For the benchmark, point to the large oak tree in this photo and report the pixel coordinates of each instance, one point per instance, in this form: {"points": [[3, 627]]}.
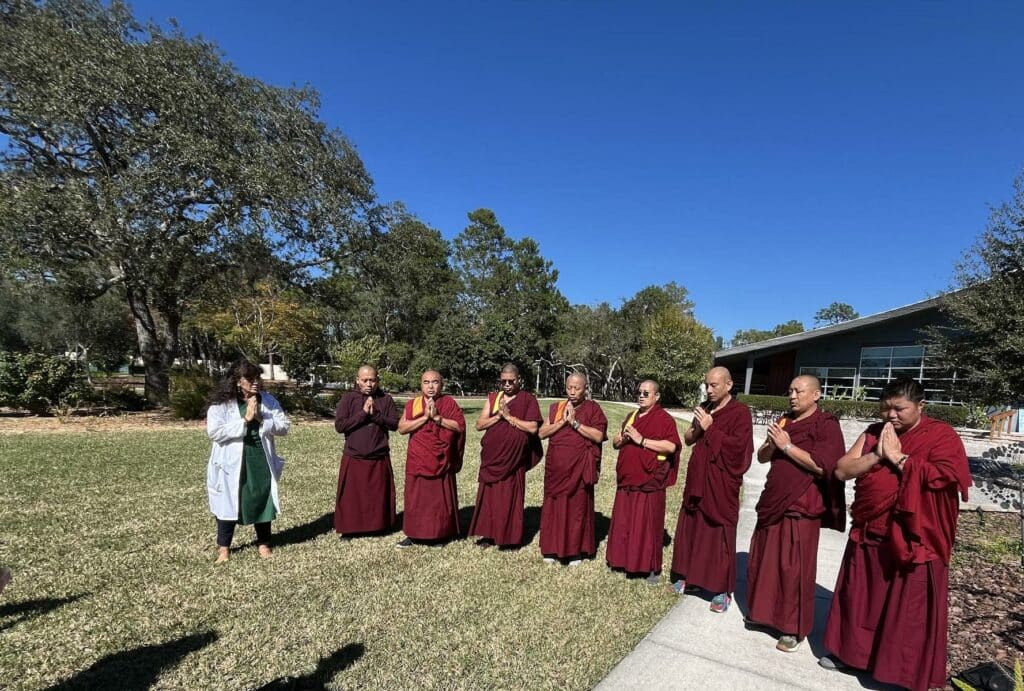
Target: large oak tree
{"points": [[141, 159]]}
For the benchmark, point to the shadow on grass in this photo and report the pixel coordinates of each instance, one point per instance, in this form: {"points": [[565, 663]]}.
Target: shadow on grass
{"points": [[324, 673], [138, 668], [23, 611], [298, 534]]}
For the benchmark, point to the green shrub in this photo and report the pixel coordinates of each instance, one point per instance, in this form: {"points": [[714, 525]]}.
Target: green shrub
{"points": [[117, 396], [189, 393], [301, 400], [956, 415], [38, 382]]}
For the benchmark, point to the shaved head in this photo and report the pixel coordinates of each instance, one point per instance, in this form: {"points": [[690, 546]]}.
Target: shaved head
{"points": [[509, 368], [718, 384], [810, 381], [366, 379], [655, 386], [433, 372], [579, 377]]}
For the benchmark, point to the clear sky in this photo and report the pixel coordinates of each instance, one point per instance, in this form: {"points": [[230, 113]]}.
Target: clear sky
{"points": [[772, 157]]}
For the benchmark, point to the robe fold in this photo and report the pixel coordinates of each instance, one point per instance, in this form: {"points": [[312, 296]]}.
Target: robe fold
{"points": [[571, 469], [635, 536], [890, 608], [365, 497], [704, 550], [431, 510], [793, 507], [506, 453]]}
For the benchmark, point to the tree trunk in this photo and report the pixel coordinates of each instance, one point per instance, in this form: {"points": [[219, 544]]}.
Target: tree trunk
{"points": [[158, 343]]}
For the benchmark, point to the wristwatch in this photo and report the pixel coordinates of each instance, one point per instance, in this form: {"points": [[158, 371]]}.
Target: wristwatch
{"points": [[576, 424]]}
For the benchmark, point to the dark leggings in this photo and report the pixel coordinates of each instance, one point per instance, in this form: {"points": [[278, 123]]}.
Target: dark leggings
{"points": [[226, 531]]}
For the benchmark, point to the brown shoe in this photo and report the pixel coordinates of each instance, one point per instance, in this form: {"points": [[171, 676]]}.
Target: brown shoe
{"points": [[265, 551], [222, 555], [5, 577]]}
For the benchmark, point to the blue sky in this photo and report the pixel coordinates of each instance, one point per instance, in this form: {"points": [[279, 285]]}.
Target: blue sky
{"points": [[771, 157]]}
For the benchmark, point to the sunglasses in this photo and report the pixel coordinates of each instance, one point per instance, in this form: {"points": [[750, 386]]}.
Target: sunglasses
{"points": [[643, 394], [507, 381]]}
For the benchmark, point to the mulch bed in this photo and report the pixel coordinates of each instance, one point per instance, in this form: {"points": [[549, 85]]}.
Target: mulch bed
{"points": [[986, 592]]}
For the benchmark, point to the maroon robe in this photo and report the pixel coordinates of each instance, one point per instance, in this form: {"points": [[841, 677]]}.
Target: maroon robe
{"points": [[635, 536], [704, 553], [890, 607], [506, 453], [365, 499], [434, 457], [793, 507], [571, 468]]}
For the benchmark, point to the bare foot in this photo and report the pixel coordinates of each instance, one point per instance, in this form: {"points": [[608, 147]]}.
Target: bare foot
{"points": [[265, 551], [222, 555]]}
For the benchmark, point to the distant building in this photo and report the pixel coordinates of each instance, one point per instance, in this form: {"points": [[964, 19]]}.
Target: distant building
{"points": [[865, 352]]}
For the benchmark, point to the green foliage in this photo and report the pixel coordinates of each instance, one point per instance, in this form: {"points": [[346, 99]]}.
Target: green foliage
{"points": [[676, 350], [117, 396], [38, 382], [747, 336], [508, 307], [141, 159], [190, 391], [836, 313], [301, 400], [984, 342]]}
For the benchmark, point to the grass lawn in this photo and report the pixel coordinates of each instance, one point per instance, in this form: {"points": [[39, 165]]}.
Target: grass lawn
{"points": [[112, 547]]}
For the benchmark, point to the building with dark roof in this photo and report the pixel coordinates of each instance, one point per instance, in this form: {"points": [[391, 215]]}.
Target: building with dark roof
{"points": [[862, 353]]}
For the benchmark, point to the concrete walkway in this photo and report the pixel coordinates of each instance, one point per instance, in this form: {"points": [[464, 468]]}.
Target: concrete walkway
{"points": [[694, 648]]}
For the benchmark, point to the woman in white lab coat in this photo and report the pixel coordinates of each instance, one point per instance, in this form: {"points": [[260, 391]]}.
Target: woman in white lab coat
{"points": [[244, 468]]}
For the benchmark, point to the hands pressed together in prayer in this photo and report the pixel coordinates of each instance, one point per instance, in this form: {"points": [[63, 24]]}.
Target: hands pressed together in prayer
{"points": [[889, 446], [777, 437], [702, 418], [368, 405], [252, 409], [432, 413], [630, 432]]}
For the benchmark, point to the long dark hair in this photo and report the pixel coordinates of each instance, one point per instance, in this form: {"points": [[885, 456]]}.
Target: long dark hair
{"points": [[227, 390]]}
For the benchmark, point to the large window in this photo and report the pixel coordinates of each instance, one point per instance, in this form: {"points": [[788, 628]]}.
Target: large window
{"points": [[881, 364], [836, 382]]}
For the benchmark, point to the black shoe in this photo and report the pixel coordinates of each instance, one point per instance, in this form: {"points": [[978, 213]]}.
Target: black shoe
{"points": [[405, 543], [485, 542]]}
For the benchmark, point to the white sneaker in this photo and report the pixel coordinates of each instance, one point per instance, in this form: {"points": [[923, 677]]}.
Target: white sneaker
{"points": [[549, 560], [575, 562]]}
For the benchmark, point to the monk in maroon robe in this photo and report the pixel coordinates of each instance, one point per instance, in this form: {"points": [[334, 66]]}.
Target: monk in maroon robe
{"points": [[509, 448], [437, 442], [365, 501], [648, 463], [576, 427], [704, 553], [890, 607], [801, 495]]}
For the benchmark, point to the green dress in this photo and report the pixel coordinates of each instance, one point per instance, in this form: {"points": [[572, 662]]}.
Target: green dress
{"points": [[255, 505]]}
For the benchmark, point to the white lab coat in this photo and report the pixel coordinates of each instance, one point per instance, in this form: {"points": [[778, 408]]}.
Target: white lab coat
{"points": [[226, 428]]}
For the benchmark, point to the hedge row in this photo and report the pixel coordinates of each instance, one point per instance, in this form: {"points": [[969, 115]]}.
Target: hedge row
{"points": [[958, 416]]}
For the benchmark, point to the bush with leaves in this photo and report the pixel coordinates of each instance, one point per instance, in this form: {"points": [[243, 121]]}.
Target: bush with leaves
{"points": [[38, 382], [189, 393]]}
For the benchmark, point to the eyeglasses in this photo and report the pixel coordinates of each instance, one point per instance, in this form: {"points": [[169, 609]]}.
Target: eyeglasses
{"points": [[643, 394]]}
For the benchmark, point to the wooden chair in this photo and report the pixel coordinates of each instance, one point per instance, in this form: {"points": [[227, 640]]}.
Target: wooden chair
{"points": [[1001, 423]]}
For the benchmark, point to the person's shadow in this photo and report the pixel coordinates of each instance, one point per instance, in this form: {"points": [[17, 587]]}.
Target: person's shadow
{"points": [[305, 532], [29, 609], [325, 671], [138, 668]]}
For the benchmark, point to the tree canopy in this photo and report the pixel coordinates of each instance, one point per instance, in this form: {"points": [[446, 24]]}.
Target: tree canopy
{"points": [[836, 313], [747, 336], [984, 341], [141, 160]]}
